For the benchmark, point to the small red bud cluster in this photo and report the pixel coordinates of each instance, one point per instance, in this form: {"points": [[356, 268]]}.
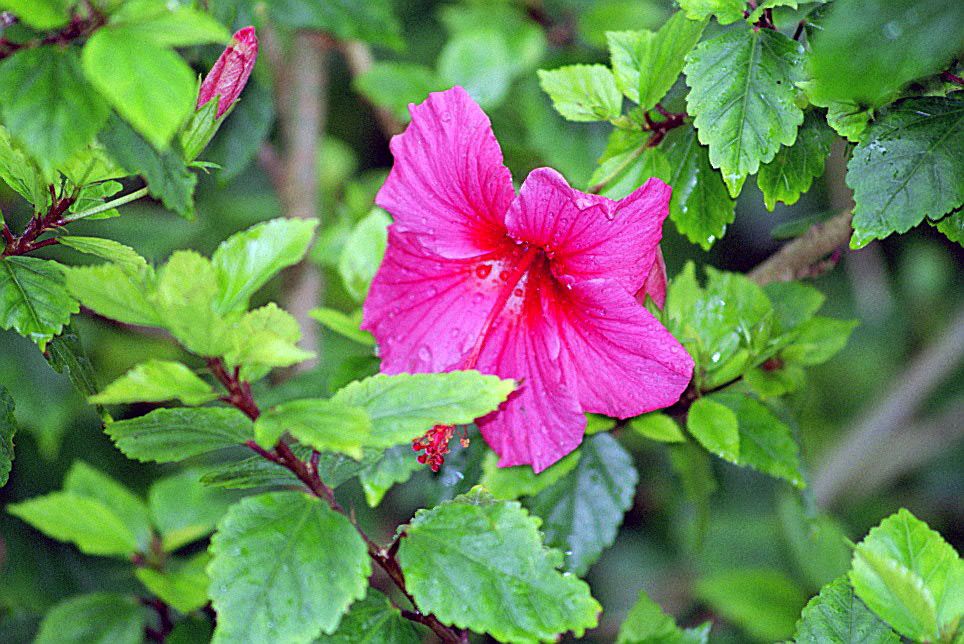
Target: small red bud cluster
{"points": [[435, 442]]}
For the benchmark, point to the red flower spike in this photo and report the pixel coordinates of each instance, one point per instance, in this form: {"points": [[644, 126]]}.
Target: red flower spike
{"points": [[539, 287], [435, 442], [230, 73]]}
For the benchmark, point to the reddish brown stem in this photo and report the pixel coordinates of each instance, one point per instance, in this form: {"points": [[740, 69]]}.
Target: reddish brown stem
{"points": [[78, 27], [952, 78], [39, 224], [239, 396]]}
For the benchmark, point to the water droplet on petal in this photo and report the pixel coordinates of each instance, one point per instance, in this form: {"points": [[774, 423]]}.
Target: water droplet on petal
{"points": [[424, 353], [584, 202], [483, 270]]}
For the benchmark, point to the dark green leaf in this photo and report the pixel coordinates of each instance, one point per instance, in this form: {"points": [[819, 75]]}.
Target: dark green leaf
{"points": [[793, 168], [184, 510], [8, 428], [818, 339], [836, 616], [793, 303], [907, 574], [583, 92], [371, 21], [245, 261], [239, 137], [54, 111], [167, 177], [183, 585], [764, 602], [21, 173], [953, 226], [480, 62], [33, 300], [285, 568], [394, 85], [700, 207], [511, 483], [98, 617], [907, 167], [742, 98], [170, 435], [373, 620], [930, 29], [819, 546], [466, 560], [646, 623], [583, 511], [395, 466]]}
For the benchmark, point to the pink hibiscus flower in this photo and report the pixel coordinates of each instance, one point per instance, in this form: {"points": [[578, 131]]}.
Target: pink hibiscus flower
{"points": [[537, 286], [230, 72]]}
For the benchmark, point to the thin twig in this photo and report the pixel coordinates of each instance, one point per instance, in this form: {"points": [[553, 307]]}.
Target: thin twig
{"points": [[797, 258], [359, 59]]}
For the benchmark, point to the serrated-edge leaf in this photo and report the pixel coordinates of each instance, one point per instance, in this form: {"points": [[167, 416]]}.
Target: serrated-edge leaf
{"points": [[171, 435], [837, 616]]}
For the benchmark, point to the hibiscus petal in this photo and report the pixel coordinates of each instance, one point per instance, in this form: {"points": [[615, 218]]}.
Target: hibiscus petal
{"points": [[541, 421], [589, 236], [621, 361], [448, 184], [655, 284], [424, 310]]}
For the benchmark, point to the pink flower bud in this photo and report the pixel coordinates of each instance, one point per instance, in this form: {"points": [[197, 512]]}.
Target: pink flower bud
{"points": [[231, 71]]}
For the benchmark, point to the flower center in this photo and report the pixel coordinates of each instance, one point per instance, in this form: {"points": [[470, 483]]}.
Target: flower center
{"points": [[435, 442]]}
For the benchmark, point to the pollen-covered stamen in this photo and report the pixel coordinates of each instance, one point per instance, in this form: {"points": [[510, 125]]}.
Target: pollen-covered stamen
{"points": [[435, 442]]}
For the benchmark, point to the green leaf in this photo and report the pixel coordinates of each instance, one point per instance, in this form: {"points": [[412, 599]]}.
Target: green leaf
{"points": [[171, 435], [372, 21], [8, 428], [907, 574], [700, 207], [91, 525], [85, 481], [872, 75], [169, 26], [149, 85], [836, 616], [715, 427], [344, 325], [953, 226], [21, 173], [742, 98], [907, 167], [658, 427], [480, 62], [115, 292], [157, 381], [183, 585], [184, 510], [511, 483], [467, 559], [583, 511], [583, 92], [793, 168], [97, 617], [819, 546], [646, 623], [285, 568], [54, 111], [374, 620], [185, 299], [115, 252], [362, 253], [167, 177], [793, 303], [405, 406], [763, 602], [394, 85], [818, 339], [262, 339], [625, 171], [324, 425], [766, 444], [524, 38], [65, 354], [726, 11], [40, 14], [647, 64], [396, 465], [33, 300], [245, 261]]}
